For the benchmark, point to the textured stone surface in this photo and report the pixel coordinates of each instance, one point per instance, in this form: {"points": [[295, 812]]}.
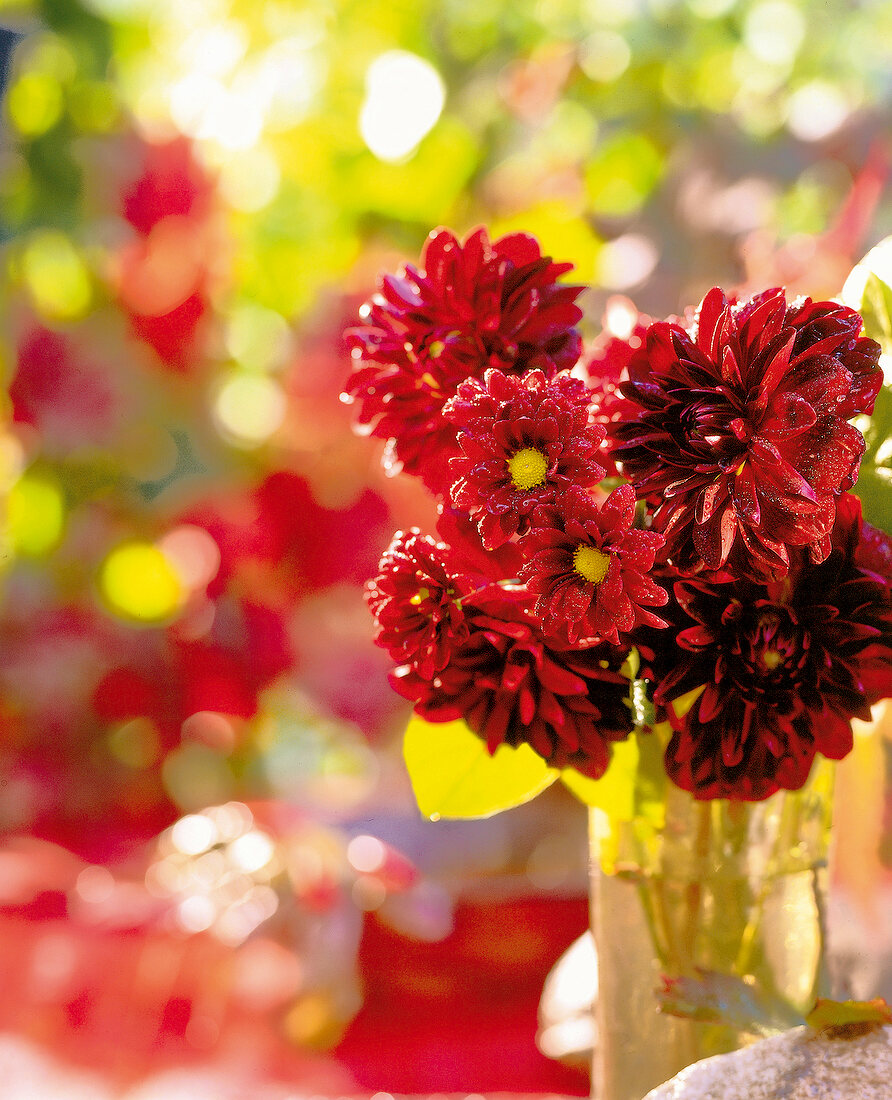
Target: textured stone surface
{"points": [[798, 1065]]}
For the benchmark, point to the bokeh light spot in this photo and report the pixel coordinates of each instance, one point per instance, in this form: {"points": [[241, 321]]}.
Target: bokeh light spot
{"points": [[56, 276], [711, 9], [193, 553], [214, 49], [816, 110], [35, 515], [196, 913], [193, 834], [34, 103], [774, 31], [258, 336], [404, 97], [210, 728], [135, 743], [605, 56], [93, 106], [368, 893], [252, 851], [627, 261], [139, 582], [95, 884], [251, 181], [195, 775], [623, 173], [249, 408], [231, 819], [366, 854]]}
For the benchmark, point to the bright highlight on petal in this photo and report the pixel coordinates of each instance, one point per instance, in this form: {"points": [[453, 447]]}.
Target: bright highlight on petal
{"points": [[404, 97], [140, 583]]}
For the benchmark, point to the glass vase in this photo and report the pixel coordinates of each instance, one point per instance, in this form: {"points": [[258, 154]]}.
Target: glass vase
{"points": [[713, 909]]}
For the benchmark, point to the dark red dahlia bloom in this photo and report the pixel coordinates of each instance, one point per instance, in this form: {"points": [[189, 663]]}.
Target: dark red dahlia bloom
{"points": [[523, 440], [415, 599], [785, 665], [470, 306], [742, 428], [589, 568], [513, 687]]}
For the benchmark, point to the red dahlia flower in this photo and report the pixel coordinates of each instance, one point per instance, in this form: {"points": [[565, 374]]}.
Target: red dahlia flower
{"points": [[589, 568], [511, 687], [523, 441], [742, 430], [470, 306], [416, 602], [786, 666]]}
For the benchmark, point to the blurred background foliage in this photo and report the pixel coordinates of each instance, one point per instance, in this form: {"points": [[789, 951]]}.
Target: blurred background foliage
{"points": [[195, 197]]}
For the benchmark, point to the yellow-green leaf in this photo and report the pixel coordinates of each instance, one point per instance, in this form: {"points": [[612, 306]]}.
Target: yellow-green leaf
{"points": [[614, 792], [453, 774], [868, 290], [848, 1019]]}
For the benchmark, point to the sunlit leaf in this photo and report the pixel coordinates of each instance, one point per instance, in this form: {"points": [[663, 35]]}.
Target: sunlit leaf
{"points": [[453, 774], [848, 1019], [876, 310], [614, 792], [869, 293]]}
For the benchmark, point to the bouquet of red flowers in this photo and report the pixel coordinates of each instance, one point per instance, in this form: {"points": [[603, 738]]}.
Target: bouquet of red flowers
{"points": [[659, 530]]}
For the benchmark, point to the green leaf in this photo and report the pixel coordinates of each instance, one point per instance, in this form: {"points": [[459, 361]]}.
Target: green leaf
{"points": [[453, 774], [848, 1019], [711, 997], [876, 311], [614, 792]]}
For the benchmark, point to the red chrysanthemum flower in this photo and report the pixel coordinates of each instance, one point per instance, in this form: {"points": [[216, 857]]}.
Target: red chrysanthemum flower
{"points": [[742, 430], [470, 306], [786, 666], [467, 554], [415, 599], [589, 568], [513, 687], [523, 440]]}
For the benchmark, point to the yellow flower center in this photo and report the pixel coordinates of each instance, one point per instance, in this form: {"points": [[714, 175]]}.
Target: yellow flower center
{"points": [[591, 563], [527, 468], [771, 659]]}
